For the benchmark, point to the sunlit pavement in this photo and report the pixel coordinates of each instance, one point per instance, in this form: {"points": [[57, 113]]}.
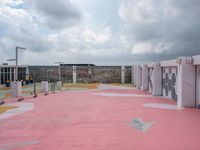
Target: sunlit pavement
{"points": [[85, 120]]}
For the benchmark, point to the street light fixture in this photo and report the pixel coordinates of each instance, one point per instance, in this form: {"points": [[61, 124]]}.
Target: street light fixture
{"points": [[59, 69], [16, 59]]}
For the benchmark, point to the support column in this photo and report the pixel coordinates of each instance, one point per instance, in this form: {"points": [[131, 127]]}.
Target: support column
{"points": [[138, 76], [157, 80], [132, 74], [198, 87], [186, 82], [122, 74], [74, 74], [144, 77], [16, 89]]}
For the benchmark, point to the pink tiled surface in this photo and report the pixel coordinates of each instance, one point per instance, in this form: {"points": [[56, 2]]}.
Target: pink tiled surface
{"points": [[85, 121]]}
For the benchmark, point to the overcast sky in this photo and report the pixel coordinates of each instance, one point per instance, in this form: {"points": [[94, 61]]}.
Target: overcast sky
{"points": [[103, 32]]}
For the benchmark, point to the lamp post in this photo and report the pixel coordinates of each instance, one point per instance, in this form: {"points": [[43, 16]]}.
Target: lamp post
{"points": [[16, 60], [59, 70], [16, 67]]}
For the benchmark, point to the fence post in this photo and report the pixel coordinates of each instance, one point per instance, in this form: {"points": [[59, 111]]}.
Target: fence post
{"points": [[74, 74], [122, 74], [34, 90]]}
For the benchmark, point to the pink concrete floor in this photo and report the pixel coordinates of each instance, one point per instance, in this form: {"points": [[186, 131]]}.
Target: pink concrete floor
{"points": [[85, 121]]}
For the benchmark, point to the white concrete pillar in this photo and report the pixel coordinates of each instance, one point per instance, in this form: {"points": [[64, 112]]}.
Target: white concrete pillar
{"points": [[138, 76], [144, 77], [74, 74], [132, 74], [122, 74], [16, 89], [157, 80], [198, 87], [186, 82], [44, 86], [59, 85]]}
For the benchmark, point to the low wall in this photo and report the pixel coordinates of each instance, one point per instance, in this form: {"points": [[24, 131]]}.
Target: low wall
{"points": [[177, 79]]}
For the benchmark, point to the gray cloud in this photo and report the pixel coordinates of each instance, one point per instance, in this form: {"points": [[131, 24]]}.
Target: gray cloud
{"points": [[58, 13], [173, 23], [149, 30]]}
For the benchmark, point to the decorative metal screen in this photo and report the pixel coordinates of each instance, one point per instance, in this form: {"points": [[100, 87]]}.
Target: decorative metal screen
{"points": [[169, 82], [128, 74], [150, 74], [84, 74], [44, 73], [67, 74], [98, 74]]}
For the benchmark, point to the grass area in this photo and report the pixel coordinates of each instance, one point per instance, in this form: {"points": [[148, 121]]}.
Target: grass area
{"points": [[6, 108], [5, 88], [80, 86], [119, 84]]}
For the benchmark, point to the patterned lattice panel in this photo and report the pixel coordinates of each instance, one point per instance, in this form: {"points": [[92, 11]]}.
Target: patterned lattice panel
{"points": [[84, 74], [150, 74], [169, 82], [128, 74]]}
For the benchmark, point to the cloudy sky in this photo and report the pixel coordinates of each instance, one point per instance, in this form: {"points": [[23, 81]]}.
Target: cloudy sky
{"points": [[103, 32]]}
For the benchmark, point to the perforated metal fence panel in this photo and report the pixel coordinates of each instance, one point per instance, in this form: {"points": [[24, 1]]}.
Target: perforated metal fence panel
{"points": [[84, 74], [170, 82], [150, 81]]}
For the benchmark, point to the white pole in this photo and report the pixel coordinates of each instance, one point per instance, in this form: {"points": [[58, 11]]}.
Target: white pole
{"points": [[16, 67]]}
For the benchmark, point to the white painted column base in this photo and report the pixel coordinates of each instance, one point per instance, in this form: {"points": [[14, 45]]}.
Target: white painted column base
{"points": [[44, 86], [16, 89], [59, 85]]}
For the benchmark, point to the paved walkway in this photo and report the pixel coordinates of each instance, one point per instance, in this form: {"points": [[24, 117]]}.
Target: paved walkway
{"points": [[87, 121]]}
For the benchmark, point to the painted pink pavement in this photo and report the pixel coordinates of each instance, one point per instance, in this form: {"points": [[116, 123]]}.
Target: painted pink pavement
{"points": [[76, 120]]}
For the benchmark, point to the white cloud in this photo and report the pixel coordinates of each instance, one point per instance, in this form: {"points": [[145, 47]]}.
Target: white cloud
{"points": [[140, 10], [101, 36], [80, 30], [161, 26]]}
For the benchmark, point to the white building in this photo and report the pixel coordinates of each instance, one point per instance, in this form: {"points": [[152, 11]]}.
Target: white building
{"points": [[7, 73]]}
